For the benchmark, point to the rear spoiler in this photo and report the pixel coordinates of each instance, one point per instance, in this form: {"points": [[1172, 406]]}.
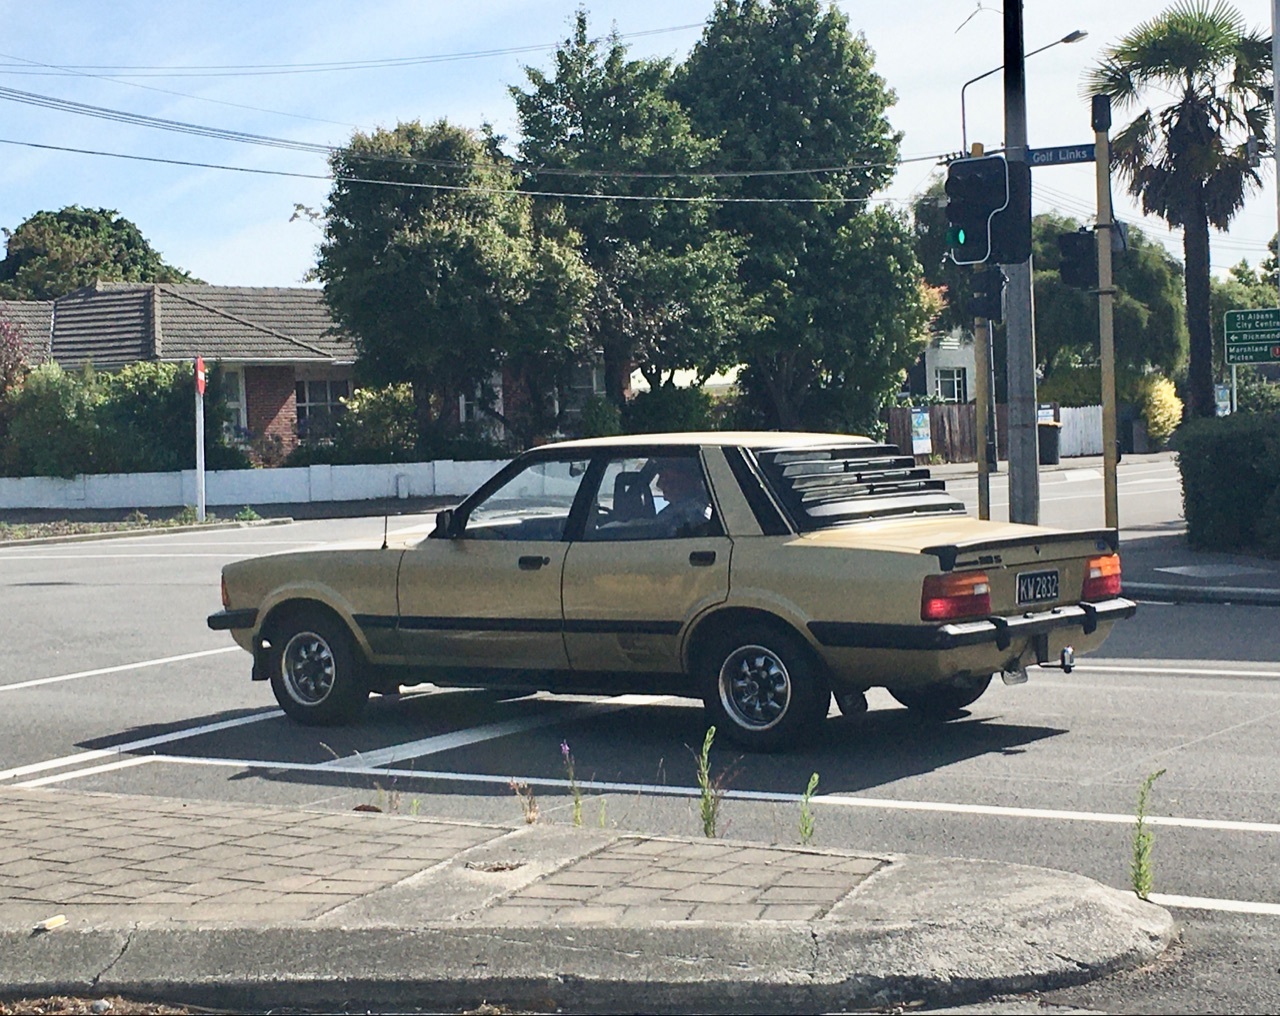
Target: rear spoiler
{"points": [[1107, 541]]}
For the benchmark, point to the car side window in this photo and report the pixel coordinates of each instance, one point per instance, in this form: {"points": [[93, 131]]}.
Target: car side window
{"points": [[660, 497], [532, 505]]}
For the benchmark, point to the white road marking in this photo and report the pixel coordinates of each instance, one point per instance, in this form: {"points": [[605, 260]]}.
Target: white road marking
{"points": [[130, 746], [142, 554], [36, 682], [106, 767], [475, 735], [669, 790], [1206, 903], [1160, 669]]}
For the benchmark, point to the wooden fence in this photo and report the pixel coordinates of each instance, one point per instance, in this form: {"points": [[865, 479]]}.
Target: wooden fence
{"points": [[954, 431]]}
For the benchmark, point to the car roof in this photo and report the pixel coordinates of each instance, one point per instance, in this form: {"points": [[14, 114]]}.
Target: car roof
{"points": [[756, 439]]}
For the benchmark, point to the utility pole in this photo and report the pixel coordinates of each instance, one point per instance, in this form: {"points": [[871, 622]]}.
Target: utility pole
{"points": [[1101, 114], [1024, 478], [1275, 142]]}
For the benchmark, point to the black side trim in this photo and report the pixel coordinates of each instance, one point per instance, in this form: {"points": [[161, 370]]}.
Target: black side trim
{"points": [[226, 620], [374, 620], [481, 623], [999, 630], [524, 624], [622, 627]]}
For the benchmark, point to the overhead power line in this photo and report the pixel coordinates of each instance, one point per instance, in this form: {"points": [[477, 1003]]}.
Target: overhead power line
{"points": [[244, 137], [19, 65], [512, 192]]}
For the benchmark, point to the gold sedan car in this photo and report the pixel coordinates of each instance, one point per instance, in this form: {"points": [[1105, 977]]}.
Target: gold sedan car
{"points": [[759, 572]]}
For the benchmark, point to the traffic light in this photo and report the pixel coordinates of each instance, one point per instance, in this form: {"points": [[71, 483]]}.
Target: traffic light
{"points": [[976, 190], [1011, 227], [988, 292], [1079, 267]]}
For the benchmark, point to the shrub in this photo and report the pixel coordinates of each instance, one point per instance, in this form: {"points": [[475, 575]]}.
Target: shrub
{"points": [[1255, 394], [1161, 407], [1231, 481], [667, 408], [600, 418]]}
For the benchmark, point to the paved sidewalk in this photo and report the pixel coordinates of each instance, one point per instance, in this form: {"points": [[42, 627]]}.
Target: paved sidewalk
{"points": [[249, 907]]}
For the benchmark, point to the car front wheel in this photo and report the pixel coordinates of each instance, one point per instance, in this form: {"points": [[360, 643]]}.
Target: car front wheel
{"points": [[315, 669], [939, 701], [762, 688]]}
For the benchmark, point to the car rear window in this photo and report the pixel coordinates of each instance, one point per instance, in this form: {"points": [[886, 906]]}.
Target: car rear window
{"points": [[824, 487]]}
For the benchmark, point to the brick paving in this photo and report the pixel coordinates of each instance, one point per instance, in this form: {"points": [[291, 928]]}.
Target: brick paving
{"points": [[640, 881], [198, 861]]}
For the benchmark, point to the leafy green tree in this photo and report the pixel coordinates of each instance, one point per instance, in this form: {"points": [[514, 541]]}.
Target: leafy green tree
{"points": [[53, 253], [666, 295], [791, 95], [431, 262], [1188, 159], [1150, 328]]}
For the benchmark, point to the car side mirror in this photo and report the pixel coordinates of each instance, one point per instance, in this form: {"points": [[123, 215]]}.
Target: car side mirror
{"points": [[445, 526]]}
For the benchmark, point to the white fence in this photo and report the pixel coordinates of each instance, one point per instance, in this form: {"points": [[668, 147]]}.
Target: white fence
{"points": [[238, 487], [1081, 431]]}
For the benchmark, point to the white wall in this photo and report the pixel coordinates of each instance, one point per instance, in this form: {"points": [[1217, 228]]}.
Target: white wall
{"points": [[237, 487]]}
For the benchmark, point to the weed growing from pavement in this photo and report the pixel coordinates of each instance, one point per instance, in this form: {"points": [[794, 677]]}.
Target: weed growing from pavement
{"points": [[806, 815], [602, 821], [246, 514], [528, 803], [574, 789], [1140, 871], [712, 788]]}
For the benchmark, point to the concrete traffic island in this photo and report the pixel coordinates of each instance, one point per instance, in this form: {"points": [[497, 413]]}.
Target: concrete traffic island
{"points": [[248, 908]]}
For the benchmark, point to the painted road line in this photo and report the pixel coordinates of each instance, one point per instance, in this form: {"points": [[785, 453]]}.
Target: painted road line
{"points": [[669, 790], [1206, 903], [475, 735], [124, 763], [129, 746], [1159, 669], [36, 682], [141, 555]]}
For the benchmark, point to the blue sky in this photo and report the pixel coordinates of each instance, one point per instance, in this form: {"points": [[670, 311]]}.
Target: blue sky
{"points": [[234, 228]]}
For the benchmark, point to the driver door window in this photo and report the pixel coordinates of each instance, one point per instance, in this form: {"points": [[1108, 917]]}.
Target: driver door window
{"points": [[533, 505]]}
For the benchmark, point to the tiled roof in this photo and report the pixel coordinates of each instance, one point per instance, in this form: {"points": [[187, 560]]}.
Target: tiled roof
{"points": [[33, 319], [114, 323]]}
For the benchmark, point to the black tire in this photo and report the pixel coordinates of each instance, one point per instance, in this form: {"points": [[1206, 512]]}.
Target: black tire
{"points": [[316, 671], [762, 687], [940, 701]]}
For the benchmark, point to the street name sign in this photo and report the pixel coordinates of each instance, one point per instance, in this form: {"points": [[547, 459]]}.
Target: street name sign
{"points": [[1253, 336], [1063, 155]]}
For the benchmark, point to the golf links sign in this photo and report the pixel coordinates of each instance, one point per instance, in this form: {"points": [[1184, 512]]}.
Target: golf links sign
{"points": [[1253, 336]]}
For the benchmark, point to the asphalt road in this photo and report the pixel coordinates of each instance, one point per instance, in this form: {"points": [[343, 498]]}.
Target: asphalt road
{"points": [[107, 648]]}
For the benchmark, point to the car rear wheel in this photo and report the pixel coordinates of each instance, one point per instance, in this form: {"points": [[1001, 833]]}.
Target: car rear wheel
{"points": [[939, 701], [315, 669], [762, 688]]}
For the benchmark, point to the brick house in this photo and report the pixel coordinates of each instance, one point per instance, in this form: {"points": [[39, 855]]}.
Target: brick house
{"points": [[285, 366]]}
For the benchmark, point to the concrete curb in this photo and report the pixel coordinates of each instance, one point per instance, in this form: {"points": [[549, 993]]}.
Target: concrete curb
{"points": [[117, 534], [1203, 594]]}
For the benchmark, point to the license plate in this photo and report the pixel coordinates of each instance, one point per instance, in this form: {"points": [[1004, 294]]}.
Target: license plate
{"points": [[1038, 586]]}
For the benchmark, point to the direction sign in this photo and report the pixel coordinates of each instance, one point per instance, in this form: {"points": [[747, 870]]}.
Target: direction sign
{"points": [[1253, 336], [1063, 155]]}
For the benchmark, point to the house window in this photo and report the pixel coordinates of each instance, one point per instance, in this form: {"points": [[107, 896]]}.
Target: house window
{"points": [[233, 394], [952, 384], [319, 402]]}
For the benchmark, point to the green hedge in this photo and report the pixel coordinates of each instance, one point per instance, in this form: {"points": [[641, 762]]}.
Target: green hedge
{"points": [[138, 420], [1231, 482]]}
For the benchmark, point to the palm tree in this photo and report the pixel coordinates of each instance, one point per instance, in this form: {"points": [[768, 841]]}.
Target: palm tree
{"points": [[1190, 160]]}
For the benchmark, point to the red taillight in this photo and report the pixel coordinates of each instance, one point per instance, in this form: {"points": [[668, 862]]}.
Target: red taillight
{"points": [[958, 594], [226, 600], [1101, 577]]}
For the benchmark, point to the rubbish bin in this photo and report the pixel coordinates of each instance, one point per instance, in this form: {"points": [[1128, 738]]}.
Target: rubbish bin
{"points": [[1050, 441]]}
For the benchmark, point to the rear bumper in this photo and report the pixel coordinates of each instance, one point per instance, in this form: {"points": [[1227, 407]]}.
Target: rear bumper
{"points": [[997, 631], [226, 620]]}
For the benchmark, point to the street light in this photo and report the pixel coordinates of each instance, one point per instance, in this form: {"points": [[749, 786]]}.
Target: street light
{"points": [[1075, 36]]}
